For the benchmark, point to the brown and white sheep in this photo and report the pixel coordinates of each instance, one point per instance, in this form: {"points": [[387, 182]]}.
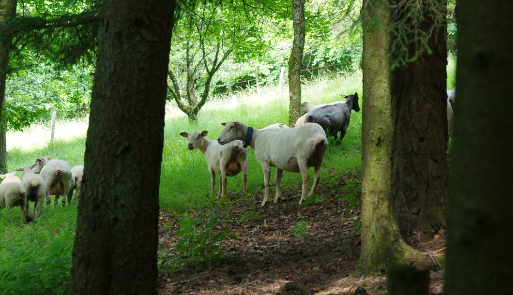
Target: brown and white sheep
{"points": [[292, 150], [58, 178], [227, 160]]}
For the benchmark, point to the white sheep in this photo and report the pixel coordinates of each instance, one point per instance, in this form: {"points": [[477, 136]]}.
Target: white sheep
{"points": [[35, 186], [292, 150], [226, 160], [58, 178], [276, 126], [78, 174], [334, 117], [10, 177], [12, 194], [451, 96]]}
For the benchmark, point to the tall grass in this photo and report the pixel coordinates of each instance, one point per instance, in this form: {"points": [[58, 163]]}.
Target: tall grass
{"points": [[36, 257]]}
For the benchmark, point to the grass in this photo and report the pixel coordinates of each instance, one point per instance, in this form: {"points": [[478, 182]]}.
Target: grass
{"points": [[45, 247]]}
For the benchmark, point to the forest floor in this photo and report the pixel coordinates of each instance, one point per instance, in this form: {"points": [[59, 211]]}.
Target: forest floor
{"points": [[287, 249]]}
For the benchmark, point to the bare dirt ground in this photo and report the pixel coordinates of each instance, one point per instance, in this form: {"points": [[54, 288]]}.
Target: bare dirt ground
{"points": [[268, 258]]}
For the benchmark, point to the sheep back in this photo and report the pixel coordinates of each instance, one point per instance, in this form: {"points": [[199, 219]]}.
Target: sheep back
{"points": [[58, 177], [13, 194], [34, 184]]}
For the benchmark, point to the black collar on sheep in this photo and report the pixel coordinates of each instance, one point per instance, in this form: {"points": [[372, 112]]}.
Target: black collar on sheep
{"points": [[249, 135]]}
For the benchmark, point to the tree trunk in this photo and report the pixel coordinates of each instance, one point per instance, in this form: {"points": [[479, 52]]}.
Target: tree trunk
{"points": [[420, 167], [115, 249], [480, 226], [296, 59], [382, 244], [7, 10]]}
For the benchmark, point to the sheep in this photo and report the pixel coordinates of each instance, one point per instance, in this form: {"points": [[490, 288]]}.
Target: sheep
{"points": [[35, 186], [292, 150], [12, 194], [307, 107], [276, 126], [78, 173], [58, 178], [10, 177], [451, 96], [334, 117], [227, 160]]}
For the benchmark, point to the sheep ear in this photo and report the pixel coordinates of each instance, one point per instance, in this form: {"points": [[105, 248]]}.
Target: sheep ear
{"points": [[224, 124], [204, 133], [2, 176], [50, 157], [184, 134], [38, 160]]}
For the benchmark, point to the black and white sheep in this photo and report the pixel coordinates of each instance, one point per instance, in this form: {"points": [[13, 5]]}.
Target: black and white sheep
{"points": [[334, 117], [291, 149], [58, 178], [226, 160]]}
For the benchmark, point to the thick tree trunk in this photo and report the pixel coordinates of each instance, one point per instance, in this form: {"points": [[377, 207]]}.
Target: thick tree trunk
{"points": [[7, 10], [420, 168], [296, 59], [382, 244], [480, 226], [115, 249]]}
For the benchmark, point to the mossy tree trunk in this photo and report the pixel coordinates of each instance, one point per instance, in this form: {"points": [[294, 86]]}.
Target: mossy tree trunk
{"points": [[480, 225], [382, 244], [296, 59], [115, 250], [420, 167], [7, 11]]}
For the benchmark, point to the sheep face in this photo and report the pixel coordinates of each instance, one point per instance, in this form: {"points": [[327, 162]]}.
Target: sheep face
{"points": [[40, 163], [353, 101], [232, 131], [195, 139]]}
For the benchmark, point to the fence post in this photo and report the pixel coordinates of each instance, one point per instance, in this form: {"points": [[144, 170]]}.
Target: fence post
{"points": [[256, 75], [53, 126], [282, 74]]}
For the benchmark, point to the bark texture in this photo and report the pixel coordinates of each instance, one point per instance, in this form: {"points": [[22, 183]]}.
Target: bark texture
{"points": [[296, 59], [382, 244], [480, 226], [7, 11], [115, 249], [420, 167]]}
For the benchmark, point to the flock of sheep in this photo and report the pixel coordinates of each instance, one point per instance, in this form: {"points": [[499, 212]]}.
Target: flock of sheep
{"points": [[40, 180], [287, 149]]}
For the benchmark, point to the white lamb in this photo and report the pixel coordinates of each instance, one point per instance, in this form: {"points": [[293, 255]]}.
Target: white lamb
{"points": [[293, 150], [35, 185], [12, 194], [227, 160], [58, 178], [78, 174]]}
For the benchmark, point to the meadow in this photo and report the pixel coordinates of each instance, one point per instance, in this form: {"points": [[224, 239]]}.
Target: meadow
{"points": [[40, 252]]}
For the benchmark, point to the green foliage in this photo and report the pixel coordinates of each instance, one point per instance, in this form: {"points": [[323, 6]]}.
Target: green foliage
{"points": [[32, 95], [36, 258], [200, 238], [300, 229]]}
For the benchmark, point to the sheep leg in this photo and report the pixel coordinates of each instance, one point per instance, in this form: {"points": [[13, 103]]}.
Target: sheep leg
{"points": [[306, 179], [244, 169], [222, 180], [279, 174], [70, 194], [317, 177], [37, 206], [212, 181], [267, 173]]}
